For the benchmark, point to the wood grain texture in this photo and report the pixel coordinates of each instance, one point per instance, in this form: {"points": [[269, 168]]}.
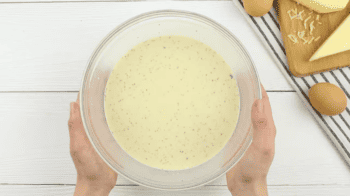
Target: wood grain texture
{"points": [[35, 143], [25, 190], [298, 55], [46, 46]]}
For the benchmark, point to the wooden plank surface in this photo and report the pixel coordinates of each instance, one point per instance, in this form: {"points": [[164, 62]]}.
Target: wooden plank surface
{"points": [[34, 139], [299, 54], [46, 46], [24, 190]]}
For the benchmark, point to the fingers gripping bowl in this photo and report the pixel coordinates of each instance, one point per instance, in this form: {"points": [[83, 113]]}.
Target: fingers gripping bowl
{"points": [[124, 38]]}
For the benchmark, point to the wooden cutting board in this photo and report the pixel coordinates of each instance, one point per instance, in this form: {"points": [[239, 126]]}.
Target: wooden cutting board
{"points": [[298, 54]]}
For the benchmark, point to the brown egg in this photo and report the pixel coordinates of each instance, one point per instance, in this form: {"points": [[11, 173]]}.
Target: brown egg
{"points": [[327, 98], [257, 7]]}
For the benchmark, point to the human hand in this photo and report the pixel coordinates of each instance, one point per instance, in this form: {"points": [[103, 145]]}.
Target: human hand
{"points": [[248, 176], [94, 177]]}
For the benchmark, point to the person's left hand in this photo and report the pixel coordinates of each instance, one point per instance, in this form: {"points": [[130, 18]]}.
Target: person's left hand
{"points": [[94, 177]]}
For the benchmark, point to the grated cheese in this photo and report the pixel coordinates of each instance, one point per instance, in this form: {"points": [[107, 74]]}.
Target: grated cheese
{"points": [[293, 38], [311, 40], [301, 36], [291, 17], [299, 16], [296, 15], [306, 21], [312, 27], [305, 41], [293, 13]]}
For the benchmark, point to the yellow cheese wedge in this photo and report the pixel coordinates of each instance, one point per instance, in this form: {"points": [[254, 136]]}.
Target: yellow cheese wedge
{"points": [[324, 6], [338, 42]]}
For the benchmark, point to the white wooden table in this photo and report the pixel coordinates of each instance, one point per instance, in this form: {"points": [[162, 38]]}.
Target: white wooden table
{"points": [[44, 49]]}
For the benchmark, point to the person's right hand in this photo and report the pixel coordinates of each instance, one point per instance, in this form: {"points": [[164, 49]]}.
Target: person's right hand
{"points": [[248, 176]]}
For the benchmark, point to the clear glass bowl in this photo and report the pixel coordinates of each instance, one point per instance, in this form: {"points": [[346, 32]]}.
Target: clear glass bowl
{"points": [[124, 38]]}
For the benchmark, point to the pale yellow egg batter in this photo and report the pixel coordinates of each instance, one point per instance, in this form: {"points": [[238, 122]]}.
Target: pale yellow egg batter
{"points": [[172, 103]]}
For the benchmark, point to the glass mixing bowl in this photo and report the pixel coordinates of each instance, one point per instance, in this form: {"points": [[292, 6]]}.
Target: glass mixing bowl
{"points": [[125, 37]]}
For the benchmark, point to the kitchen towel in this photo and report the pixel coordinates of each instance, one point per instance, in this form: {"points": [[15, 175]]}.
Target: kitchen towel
{"points": [[336, 127]]}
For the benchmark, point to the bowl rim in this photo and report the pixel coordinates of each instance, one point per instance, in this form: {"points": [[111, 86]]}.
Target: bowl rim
{"points": [[151, 15]]}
